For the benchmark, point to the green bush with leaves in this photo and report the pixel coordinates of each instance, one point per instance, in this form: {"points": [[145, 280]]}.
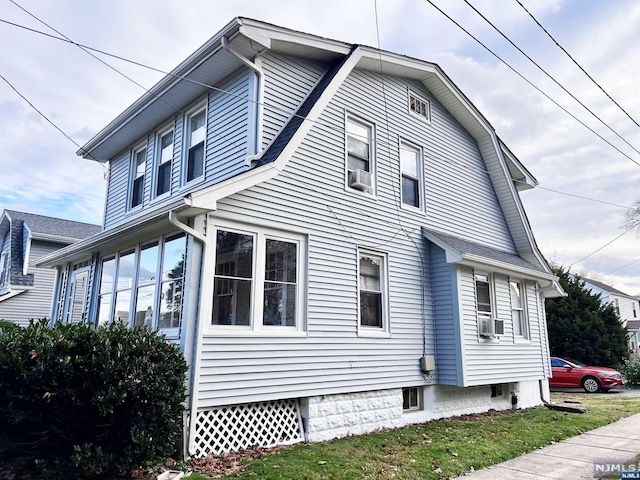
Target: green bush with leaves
{"points": [[631, 372], [85, 402]]}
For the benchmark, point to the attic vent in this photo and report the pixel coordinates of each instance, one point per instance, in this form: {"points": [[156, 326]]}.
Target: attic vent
{"points": [[360, 180], [419, 106]]}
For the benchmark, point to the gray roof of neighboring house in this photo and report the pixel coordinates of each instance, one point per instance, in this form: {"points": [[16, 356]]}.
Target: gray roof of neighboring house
{"points": [[40, 224], [463, 247], [605, 287], [633, 325]]}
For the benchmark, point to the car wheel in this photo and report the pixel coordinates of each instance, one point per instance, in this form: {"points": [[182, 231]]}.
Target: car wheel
{"points": [[591, 384]]}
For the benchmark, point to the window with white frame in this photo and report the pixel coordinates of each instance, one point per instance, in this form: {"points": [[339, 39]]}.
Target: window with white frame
{"points": [[410, 399], [143, 285], [164, 161], [410, 173], [518, 309], [196, 135], [633, 305], [419, 106], [484, 304], [138, 173], [616, 306], [360, 155], [257, 279], [372, 290]]}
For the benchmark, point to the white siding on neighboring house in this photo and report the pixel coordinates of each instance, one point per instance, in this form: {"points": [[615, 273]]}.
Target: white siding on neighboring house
{"points": [[36, 302]]}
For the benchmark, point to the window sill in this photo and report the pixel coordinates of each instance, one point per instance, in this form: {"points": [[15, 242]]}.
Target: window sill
{"points": [[488, 340], [360, 193], [248, 332], [412, 209], [366, 333], [523, 340], [191, 183]]}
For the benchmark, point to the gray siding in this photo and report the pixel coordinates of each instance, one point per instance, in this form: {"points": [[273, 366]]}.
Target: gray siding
{"points": [[506, 359], [226, 149], [448, 344], [288, 81], [36, 302]]}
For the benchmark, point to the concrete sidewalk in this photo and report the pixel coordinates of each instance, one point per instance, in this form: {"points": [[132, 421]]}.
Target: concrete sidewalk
{"points": [[574, 457]]}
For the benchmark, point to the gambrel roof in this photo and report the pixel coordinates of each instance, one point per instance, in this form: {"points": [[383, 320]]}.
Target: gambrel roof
{"points": [[214, 61]]}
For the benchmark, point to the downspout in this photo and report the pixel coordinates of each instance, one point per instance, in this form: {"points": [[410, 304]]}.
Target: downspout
{"points": [[258, 98], [197, 358]]}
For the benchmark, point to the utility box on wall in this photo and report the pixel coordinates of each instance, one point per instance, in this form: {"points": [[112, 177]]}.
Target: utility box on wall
{"points": [[428, 363]]}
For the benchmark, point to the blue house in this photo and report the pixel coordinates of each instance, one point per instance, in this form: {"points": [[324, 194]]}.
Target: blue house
{"points": [[332, 234], [25, 291]]}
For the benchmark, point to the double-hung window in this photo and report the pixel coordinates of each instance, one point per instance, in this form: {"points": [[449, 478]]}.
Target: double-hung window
{"points": [[372, 291], [196, 135], [164, 161], [518, 310], [410, 168], [257, 280], [360, 155], [138, 173], [484, 305]]}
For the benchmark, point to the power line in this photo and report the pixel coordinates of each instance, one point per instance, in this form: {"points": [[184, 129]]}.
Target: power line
{"points": [[622, 268], [551, 77], [531, 83], [577, 64], [50, 122], [602, 247]]}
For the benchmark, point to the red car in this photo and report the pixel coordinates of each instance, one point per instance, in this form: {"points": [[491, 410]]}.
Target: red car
{"points": [[570, 373]]}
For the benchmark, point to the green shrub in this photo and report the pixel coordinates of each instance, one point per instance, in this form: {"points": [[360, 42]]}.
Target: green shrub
{"points": [[631, 371], [85, 402]]}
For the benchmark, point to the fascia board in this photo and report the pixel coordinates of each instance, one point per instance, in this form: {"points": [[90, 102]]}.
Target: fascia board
{"points": [[49, 237], [208, 197], [452, 255], [13, 291], [506, 268], [167, 82], [27, 252], [61, 256], [264, 33]]}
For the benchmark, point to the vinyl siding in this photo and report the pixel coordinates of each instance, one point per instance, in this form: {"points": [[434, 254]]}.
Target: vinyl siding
{"points": [[448, 343], [226, 148], [507, 359], [36, 302], [288, 81]]}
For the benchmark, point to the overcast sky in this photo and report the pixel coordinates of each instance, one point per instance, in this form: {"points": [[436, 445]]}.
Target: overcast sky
{"points": [[41, 174]]}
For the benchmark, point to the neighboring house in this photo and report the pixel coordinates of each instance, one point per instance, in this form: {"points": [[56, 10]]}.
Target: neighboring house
{"points": [[25, 291], [626, 306], [334, 250], [633, 327]]}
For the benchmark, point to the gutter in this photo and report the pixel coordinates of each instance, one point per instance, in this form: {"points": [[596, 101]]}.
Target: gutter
{"points": [[258, 98]]}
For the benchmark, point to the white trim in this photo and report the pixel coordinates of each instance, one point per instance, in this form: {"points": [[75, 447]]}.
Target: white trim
{"points": [[201, 105], [384, 330], [157, 161], [420, 159], [133, 167], [13, 292], [260, 236], [412, 93], [525, 330], [27, 251], [357, 119]]}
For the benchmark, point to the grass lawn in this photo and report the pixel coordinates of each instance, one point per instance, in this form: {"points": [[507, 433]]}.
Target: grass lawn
{"points": [[441, 448]]}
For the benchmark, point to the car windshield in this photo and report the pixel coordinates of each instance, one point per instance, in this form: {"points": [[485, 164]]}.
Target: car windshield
{"points": [[576, 362]]}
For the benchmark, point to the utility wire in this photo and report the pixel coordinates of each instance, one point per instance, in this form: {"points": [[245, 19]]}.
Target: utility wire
{"points": [[622, 268], [50, 122], [577, 64], [88, 51], [551, 77], [602, 247], [530, 83]]}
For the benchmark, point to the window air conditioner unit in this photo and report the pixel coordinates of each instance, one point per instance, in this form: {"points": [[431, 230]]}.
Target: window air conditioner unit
{"points": [[360, 180], [487, 331]]}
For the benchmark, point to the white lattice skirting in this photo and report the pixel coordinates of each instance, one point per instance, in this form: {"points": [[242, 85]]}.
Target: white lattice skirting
{"points": [[227, 429]]}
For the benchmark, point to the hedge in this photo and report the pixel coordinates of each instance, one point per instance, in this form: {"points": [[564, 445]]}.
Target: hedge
{"points": [[85, 402]]}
